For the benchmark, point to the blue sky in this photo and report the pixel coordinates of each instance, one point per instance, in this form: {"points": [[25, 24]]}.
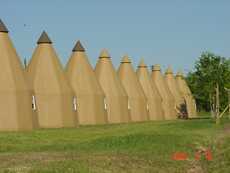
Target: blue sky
{"points": [[162, 31]]}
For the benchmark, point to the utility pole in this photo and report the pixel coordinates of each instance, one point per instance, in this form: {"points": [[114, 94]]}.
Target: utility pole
{"points": [[228, 106], [217, 104], [228, 90], [229, 101]]}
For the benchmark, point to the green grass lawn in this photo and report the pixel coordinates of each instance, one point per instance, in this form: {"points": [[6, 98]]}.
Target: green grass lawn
{"points": [[133, 148]]}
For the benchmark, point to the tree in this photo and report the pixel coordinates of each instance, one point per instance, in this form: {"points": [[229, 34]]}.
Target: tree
{"points": [[210, 71]]}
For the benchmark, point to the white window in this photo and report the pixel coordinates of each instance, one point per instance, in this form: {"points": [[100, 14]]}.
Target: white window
{"points": [[34, 103], [105, 104], [129, 107], [75, 104]]}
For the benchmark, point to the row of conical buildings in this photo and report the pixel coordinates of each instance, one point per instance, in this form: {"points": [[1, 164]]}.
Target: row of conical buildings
{"points": [[45, 95]]}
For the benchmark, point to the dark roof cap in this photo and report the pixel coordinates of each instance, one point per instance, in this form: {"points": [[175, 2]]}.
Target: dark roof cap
{"points": [[156, 67], [44, 38], [142, 64], [125, 59], [180, 73], [169, 70], [78, 47], [3, 27], [104, 54]]}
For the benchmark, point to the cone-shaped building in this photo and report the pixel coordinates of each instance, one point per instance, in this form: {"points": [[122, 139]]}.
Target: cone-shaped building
{"points": [[173, 87], [169, 105], [152, 94], [116, 98], [137, 100], [15, 98], [53, 97], [87, 90], [185, 91]]}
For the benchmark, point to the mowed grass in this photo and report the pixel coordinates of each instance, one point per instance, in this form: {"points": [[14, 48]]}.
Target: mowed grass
{"points": [[133, 148]]}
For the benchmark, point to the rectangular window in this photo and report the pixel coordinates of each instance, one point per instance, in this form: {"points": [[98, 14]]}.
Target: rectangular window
{"points": [[34, 103], [129, 107], [105, 104], [75, 104]]}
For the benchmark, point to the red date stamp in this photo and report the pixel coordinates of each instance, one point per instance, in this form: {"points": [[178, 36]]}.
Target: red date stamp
{"points": [[207, 154]]}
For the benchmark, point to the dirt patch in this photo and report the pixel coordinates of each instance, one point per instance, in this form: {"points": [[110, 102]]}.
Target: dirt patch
{"points": [[23, 162], [9, 160], [99, 163], [195, 167]]}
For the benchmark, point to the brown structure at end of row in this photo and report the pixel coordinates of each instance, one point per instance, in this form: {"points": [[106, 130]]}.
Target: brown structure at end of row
{"points": [[88, 92], [152, 94], [53, 97], [169, 105], [185, 91], [15, 98], [116, 99], [137, 99]]}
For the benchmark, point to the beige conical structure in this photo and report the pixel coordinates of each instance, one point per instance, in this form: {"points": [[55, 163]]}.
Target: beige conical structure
{"points": [[151, 92], [173, 87], [136, 96], [185, 91], [116, 97], [15, 98], [52, 94], [188, 91], [169, 104], [88, 92]]}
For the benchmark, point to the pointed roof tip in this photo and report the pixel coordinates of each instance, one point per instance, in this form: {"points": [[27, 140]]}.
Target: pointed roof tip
{"points": [[104, 54], [169, 70], [78, 47], [180, 73], [44, 38], [142, 64], [125, 59], [3, 27], [156, 67]]}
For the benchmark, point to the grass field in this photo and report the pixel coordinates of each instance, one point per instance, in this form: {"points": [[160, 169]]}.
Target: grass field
{"points": [[132, 148]]}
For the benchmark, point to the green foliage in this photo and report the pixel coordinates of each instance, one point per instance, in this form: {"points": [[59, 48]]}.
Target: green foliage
{"points": [[210, 69]]}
